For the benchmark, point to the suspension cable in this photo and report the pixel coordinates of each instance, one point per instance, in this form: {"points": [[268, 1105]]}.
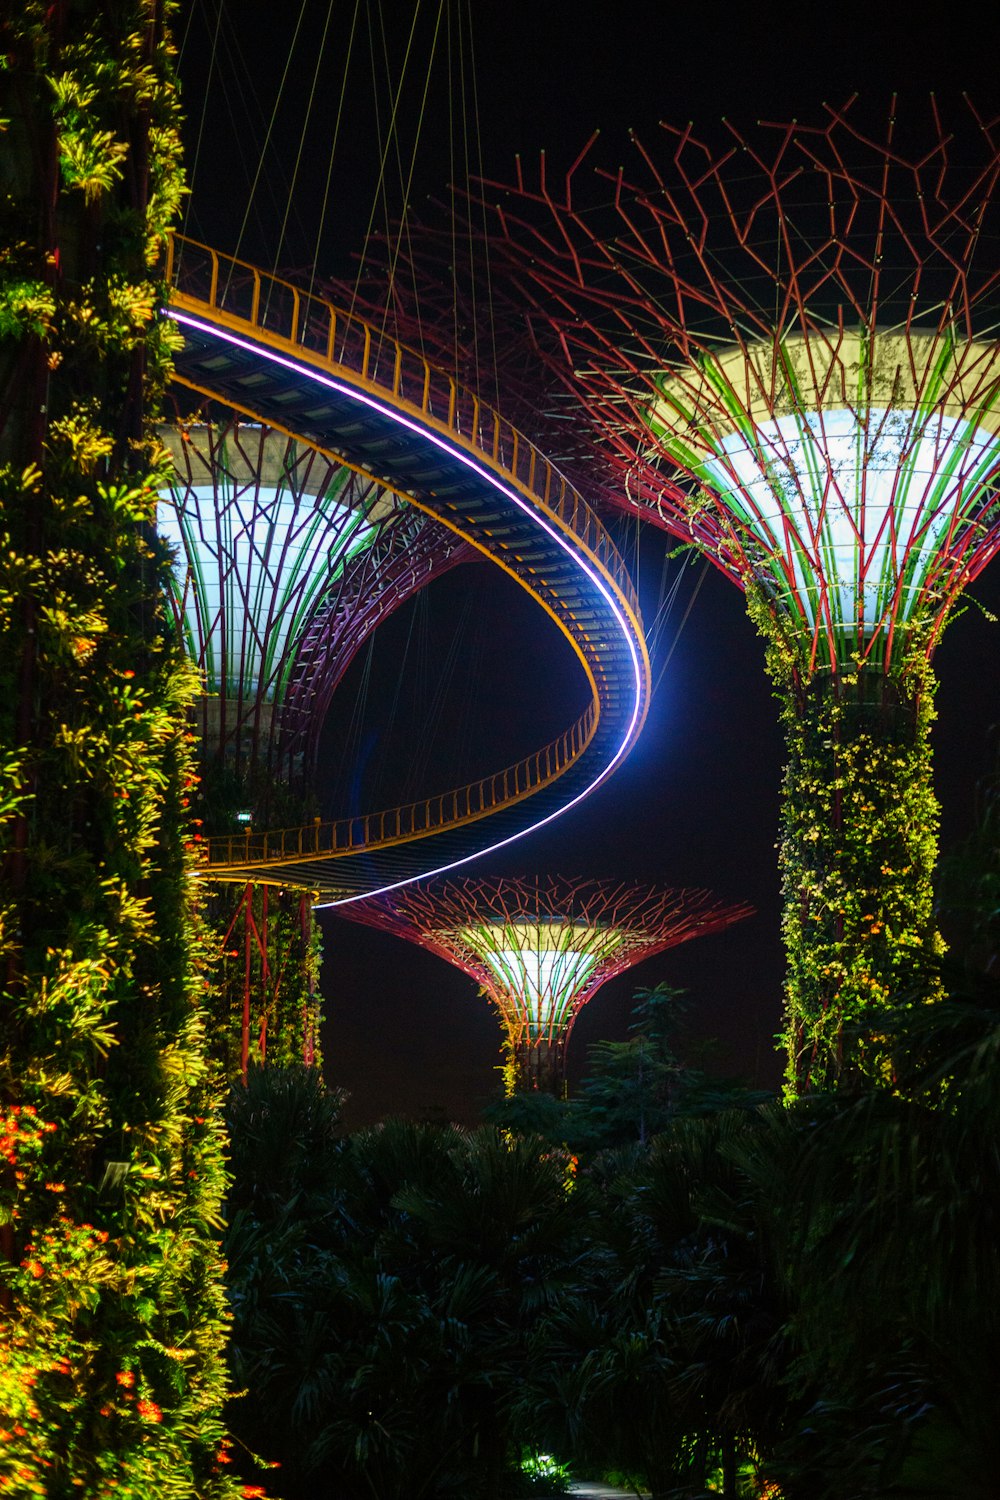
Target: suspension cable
{"points": [[270, 128], [302, 138], [333, 144]]}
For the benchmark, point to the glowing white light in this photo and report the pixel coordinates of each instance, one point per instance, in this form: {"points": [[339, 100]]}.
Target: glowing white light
{"points": [[541, 982], [863, 509], [250, 568]]}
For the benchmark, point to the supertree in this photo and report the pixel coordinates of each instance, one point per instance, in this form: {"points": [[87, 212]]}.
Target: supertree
{"points": [[541, 948], [284, 562], [785, 347]]}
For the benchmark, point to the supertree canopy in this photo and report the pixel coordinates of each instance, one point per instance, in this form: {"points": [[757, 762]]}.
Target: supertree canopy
{"points": [[541, 948], [786, 347], [284, 561]]}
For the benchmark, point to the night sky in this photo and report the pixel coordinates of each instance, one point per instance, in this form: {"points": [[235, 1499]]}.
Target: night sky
{"points": [[697, 802]]}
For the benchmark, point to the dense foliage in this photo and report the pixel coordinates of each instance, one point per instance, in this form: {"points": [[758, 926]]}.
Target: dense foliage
{"points": [[632, 1090], [858, 845], [795, 1302], [112, 1314], [383, 1287]]}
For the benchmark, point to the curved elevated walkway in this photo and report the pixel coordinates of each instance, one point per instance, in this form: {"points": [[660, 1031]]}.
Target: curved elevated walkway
{"points": [[296, 362]]}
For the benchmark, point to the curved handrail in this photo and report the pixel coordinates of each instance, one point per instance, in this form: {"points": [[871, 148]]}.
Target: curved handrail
{"points": [[414, 820], [271, 305], [239, 300]]}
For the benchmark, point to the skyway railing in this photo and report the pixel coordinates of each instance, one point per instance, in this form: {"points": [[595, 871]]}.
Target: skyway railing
{"points": [[276, 309], [399, 825]]}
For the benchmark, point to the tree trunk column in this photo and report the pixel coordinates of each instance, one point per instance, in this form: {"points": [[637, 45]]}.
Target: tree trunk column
{"points": [[538, 1064], [858, 845]]}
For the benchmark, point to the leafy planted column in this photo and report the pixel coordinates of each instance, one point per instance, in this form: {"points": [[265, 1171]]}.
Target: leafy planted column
{"points": [[111, 1302]]}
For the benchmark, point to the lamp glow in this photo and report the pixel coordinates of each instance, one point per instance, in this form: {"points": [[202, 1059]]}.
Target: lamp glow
{"points": [[540, 949], [250, 570]]}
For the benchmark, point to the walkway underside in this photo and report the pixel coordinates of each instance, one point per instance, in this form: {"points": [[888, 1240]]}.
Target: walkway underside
{"points": [[298, 364]]}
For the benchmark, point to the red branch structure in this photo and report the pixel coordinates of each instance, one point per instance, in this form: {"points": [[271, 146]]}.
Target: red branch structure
{"points": [[267, 967], [540, 949], [781, 345], [286, 562], [785, 347]]}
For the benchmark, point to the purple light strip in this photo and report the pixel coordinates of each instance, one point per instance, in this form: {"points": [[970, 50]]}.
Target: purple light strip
{"points": [[483, 473]]}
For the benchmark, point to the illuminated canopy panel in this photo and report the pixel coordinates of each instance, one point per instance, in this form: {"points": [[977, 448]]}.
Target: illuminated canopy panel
{"points": [[284, 561], [786, 348], [855, 472], [542, 948], [538, 973], [253, 562]]}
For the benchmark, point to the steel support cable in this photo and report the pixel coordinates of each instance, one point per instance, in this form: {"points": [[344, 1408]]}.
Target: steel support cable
{"points": [[484, 238], [384, 148], [703, 574], [213, 53], [218, 86], [407, 187], [393, 241], [237, 68], [270, 128], [333, 145], [320, 50], [666, 600], [456, 50], [454, 238], [665, 597]]}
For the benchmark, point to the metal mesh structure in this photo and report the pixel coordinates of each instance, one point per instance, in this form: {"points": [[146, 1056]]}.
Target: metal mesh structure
{"points": [[285, 562], [789, 346], [540, 949], [786, 347]]}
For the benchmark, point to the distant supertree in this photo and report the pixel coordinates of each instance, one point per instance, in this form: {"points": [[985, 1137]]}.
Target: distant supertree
{"points": [[285, 562], [787, 347], [541, 948]]}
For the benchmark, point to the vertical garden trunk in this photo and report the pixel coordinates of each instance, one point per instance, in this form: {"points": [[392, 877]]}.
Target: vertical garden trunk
{"points": [[858, 845], [112, 1312], [537, 1065]]}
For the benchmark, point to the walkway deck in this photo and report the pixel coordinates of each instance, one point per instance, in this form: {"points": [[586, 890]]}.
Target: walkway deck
{"points": [[267, 349]]}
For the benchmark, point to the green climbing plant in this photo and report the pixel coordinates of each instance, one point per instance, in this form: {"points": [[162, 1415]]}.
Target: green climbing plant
{"points": [[268, 952], [113, 1317], [858, 845]]}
